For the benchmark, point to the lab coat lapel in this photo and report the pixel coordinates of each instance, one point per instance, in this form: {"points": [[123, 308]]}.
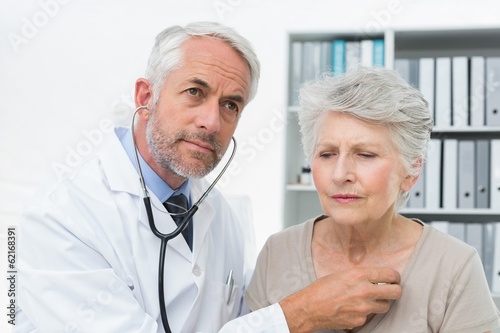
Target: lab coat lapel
{"points": [[202, 249], [122, 176], [203, 218]]}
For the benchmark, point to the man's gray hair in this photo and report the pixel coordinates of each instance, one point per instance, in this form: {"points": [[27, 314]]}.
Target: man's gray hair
{"points": [[167, 56]]}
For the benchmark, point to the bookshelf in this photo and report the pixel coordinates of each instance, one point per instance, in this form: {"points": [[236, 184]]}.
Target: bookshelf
{"points": [[301, 201]]}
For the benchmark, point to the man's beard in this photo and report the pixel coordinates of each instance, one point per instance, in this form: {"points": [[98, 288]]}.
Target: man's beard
{"points": [[165, 149]]}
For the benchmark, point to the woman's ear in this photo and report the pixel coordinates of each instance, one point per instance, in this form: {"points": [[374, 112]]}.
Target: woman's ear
{"points": [[409, 181]]}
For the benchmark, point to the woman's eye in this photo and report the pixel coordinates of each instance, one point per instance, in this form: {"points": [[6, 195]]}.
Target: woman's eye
{"points": [[367, 155], [325, 155]]}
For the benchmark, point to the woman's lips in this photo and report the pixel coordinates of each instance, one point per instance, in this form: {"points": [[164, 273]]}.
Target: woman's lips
{"points": [[345, 198]]}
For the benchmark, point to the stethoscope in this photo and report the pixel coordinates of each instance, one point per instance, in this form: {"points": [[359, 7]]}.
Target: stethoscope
{"points": [[180, 227]]}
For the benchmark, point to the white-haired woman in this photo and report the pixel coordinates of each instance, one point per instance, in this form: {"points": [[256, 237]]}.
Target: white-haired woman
{"points": [[365, 134]]}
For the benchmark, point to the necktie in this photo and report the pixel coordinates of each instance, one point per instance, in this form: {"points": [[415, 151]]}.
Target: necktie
{"points": [[178, 204]]}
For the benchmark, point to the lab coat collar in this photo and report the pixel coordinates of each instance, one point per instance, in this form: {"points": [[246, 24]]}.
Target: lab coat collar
{"points": [[118, 170]]}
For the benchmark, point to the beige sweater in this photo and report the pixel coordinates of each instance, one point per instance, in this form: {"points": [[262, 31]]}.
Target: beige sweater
{"points": [[444, 287]]}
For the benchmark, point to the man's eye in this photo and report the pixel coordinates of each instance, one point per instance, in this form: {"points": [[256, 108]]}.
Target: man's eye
{"points": [[232, 106], [193, 91]]}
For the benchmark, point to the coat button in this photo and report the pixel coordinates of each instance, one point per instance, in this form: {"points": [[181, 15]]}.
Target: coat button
{"points": [[196, 270]]}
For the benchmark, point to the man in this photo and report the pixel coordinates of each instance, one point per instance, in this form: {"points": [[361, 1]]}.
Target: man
{"points": [[88, 257]]}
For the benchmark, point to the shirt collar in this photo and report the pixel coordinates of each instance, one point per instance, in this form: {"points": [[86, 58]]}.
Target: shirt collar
{"points": [[153, 182]]}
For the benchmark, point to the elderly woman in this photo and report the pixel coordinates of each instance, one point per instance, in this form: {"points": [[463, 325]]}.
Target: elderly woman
{"points": [[365, 134]]}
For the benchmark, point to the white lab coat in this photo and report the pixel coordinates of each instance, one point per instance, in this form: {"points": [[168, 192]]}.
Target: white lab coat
{"points": [[88, 261]]}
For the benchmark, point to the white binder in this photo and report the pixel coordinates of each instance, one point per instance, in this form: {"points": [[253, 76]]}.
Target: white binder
{"points": [[477, 91], [450, 177], [460, 91], [443, 93], [466, 174], [426, 81], [433, 175], [495, 175], [493, 91]]}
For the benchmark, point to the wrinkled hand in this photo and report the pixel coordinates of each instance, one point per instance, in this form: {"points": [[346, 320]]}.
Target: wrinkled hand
{"points": [[342, 301]]}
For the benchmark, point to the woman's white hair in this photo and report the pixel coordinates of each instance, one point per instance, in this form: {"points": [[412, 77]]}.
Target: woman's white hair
{"points": [[377, 96], [167, 55]]}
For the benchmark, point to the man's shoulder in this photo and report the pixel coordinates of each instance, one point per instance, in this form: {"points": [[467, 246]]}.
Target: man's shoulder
{"points": [[89, 179]]}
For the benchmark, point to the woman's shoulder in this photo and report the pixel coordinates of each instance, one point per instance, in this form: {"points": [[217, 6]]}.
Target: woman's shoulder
{"points": [[294, 239], [295, 232], [439, 242]]}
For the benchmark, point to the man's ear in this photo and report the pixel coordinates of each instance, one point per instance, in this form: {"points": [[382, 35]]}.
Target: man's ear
{"points": [[409, 181], [143, 92]]}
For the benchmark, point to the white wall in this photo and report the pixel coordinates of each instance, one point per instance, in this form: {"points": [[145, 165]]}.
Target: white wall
{"points": [[67, 65]]}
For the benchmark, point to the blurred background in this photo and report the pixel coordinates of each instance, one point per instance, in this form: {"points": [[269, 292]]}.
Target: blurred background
{"points": [[68, 68]]}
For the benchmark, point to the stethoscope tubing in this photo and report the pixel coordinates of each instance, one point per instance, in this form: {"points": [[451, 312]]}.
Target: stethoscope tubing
{"points": [[164, 238], [180, 227]]}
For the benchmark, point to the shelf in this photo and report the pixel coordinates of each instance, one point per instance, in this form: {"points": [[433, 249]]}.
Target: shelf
{"points": [[486, 132], [300, 187], [456, 215], [443, 42], [329, 35]]}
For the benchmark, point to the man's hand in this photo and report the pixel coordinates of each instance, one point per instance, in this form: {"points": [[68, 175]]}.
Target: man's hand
{"points": [[341, 301]]}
